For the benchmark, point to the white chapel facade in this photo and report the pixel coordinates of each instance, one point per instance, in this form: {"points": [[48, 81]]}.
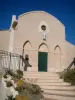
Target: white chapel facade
{"points": [[42, 37]]}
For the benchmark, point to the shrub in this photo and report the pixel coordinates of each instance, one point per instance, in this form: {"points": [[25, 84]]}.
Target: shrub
{"points": [[17, 76], [30, 90], [19, 89], [36, 89], [62, 74], [14, 79], [20, 83], [5, 75], [9, 84], [31, 96], [19, 72], [69, 76], [33, 88], [9, 72]]}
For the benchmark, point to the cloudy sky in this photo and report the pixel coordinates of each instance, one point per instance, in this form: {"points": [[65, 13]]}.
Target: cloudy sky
{"points": [[64, 10]]}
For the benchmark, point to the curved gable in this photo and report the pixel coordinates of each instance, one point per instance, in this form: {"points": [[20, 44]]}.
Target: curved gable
{"points": [[40, 12]]}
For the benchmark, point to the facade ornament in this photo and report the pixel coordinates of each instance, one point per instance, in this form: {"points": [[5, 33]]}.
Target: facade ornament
{"points": [[43, 27], [44, 35]]}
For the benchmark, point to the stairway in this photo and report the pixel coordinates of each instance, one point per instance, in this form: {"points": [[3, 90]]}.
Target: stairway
{"points": [[54, 88]]}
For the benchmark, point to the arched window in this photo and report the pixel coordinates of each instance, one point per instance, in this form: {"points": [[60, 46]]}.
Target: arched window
{"points": [[26, 48], [57, 50], [28, 44], [57, 57]]}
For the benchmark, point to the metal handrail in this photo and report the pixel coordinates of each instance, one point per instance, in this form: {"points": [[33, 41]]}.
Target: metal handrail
{"points": [[7, 59], [6, 52], [70, 66]]}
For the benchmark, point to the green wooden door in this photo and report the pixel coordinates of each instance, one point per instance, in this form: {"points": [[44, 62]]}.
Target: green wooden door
{"points": [[42, 61]]}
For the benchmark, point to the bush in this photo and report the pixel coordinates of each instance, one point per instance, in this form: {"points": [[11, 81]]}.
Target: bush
{"points": [[19, 89], [33, 88], [69, 76], [20, 86], [9, 84], [19, 72], [9, 72], [17, 76], [20, 83], [30, 90], [33, 91], [61, 74], [36, 89], [5, 75], [31, 96]]}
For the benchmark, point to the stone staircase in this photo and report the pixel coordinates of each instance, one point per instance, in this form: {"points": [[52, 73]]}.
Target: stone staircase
{"points": [[54, 88]]}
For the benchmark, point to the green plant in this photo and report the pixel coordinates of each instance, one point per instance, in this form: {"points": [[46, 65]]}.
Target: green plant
{"points": [[17, 76], [9, 72], [20, 85], [36, 89], [19, 72], [5, 75], [9, 84], [29, 90], [32, 91], [19, 89], [69, 76], [61, 74]]}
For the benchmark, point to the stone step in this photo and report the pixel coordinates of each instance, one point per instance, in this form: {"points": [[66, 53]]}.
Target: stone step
{"points": [[39, 77], [68, 93], [59, 97], [42, 80], [61, 88], [47, 81], [48, 99], [50, 83], [32, 75], [42, 74]]}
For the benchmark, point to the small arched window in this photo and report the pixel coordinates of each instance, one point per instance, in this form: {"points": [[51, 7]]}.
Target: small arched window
{"points": [[57, 49]]}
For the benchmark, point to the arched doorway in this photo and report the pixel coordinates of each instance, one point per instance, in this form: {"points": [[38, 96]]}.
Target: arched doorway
{"points": [[27, 50], [42, 57], [57, 57]]}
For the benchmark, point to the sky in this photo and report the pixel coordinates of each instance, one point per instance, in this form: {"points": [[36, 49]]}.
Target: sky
{"points": [[63, 10]]}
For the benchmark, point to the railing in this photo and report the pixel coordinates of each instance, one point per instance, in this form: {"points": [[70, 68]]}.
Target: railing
{"points": [[9, 60], [72, 63], [12, 61]]}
